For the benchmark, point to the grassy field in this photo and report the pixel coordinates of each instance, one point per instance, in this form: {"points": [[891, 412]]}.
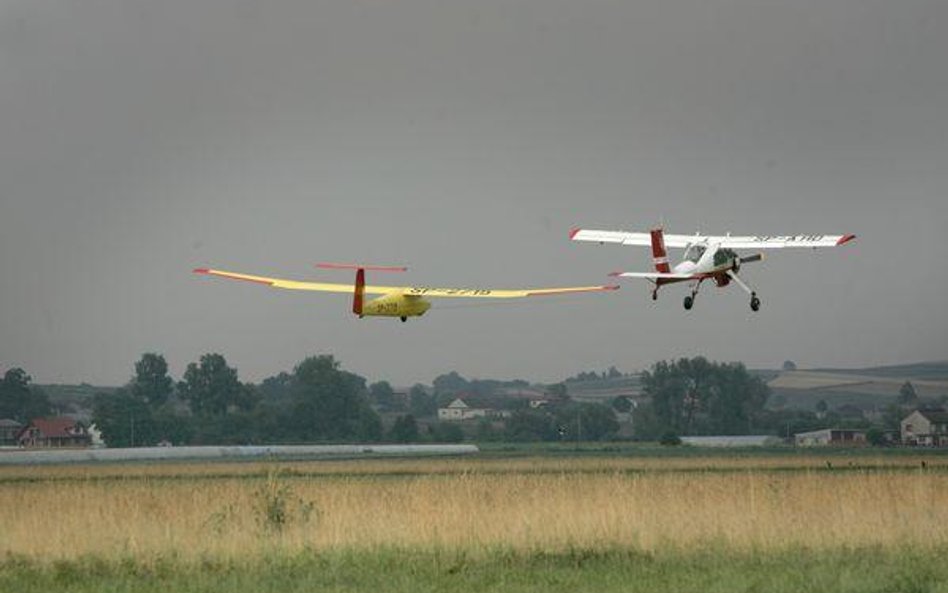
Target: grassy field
{"points": [[767, 522]]}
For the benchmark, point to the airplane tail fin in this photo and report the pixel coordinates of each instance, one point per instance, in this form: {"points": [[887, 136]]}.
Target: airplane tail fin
{"points": [[358, 294], [659, 253]]}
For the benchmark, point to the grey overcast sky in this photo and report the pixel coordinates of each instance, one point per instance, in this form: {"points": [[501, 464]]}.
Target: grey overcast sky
{"points": [[140, 139]]}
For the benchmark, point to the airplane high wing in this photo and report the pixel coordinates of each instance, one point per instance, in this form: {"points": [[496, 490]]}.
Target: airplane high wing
{"points": [[725, 241], [706, 257], [396, 301]]}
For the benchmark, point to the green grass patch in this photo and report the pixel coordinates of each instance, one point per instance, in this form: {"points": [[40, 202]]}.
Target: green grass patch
{"points": [[713, 570]]}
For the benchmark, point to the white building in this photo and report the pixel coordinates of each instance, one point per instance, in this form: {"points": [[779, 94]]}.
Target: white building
{"points": [[459, 410], [830, 436], [925, 428]]}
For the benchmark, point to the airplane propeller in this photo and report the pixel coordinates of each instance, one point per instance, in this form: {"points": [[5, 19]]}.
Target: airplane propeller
{"points": [[752, 258]]}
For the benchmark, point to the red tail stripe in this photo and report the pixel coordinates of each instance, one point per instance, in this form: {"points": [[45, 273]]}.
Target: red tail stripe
{"points": [[659, 254]]}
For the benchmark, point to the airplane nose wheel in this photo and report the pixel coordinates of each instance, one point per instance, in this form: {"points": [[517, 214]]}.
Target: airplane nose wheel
{"points": [[689, 302], [404, 319], [755, 302]]}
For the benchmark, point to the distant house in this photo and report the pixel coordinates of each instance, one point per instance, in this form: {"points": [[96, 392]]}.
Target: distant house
{"points": [[830, 436], [925, 428], [9, 429], [54, 432], [459, 410]]}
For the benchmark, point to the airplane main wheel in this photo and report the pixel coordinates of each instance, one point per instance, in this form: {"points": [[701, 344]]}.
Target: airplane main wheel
{"points": [[689, 302], [755, 304], [404, 319], [654, 295]]}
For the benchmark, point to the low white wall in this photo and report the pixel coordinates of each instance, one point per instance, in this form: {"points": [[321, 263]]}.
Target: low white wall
{"points": [[36, 456]]}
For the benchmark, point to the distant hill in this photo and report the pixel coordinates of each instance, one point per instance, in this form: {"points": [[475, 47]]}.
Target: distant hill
{"points": [[867, 388], [934, 371], [605, 389]]}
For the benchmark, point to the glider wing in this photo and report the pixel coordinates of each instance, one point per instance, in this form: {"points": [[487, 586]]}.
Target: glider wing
{"points": [[411, 291]]}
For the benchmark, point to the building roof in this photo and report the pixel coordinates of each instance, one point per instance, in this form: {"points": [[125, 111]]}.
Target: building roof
{"points": [[55, 427], [935, 415], [481, 402]]}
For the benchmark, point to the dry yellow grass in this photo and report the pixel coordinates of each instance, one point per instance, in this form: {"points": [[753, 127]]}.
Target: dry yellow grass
{"points": [[590, 503], [462, 465]]}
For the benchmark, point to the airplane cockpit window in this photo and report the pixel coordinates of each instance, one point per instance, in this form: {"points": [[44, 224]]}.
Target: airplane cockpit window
{"points": [[694, 253]]}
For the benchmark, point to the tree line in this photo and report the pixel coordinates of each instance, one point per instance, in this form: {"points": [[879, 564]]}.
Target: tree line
{"points": [[318, 401]]}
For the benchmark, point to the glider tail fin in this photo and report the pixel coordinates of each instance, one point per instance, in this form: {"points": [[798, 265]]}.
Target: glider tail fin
{"points": [[659, 253], [359, 293]]}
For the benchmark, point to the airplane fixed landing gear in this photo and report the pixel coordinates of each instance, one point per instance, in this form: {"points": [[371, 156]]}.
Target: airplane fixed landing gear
{"points": [[404, 319], [690, 299], [755, 302]]}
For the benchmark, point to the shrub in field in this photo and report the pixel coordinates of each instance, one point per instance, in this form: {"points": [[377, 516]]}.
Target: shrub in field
{"points": [[276, 505]]}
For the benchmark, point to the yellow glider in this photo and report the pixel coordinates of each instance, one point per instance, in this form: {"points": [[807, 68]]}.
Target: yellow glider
{"points": [[396, 301]]}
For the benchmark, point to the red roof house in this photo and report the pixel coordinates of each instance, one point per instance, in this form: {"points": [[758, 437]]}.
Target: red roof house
{"points": [[57, 431]]}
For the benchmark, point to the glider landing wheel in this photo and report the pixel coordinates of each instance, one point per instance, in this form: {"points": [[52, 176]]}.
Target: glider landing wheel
{"points": [[404, 319], [689, 302], [755, 302]]}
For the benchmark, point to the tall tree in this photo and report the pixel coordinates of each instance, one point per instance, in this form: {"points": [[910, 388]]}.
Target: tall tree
{"points": [[382, 394], [450, 383], [329, 403], [211, 386], [19, 400], [151, 382], [907, 394], [694, 396], [530, 425], [420, 402], [586, 422], [123, 419], [405, 429]]}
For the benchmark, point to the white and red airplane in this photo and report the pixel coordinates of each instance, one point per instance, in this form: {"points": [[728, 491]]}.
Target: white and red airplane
{"points": [[706, 257]]}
